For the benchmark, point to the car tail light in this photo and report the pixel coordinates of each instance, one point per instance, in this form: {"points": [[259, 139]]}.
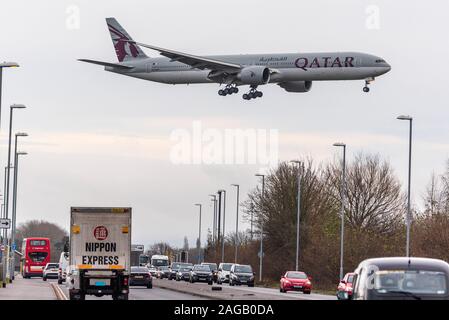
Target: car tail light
{"points": [[125, 281]]}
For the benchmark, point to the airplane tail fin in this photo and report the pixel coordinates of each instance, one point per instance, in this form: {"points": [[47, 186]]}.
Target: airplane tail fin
{"points": [[125, 50]]}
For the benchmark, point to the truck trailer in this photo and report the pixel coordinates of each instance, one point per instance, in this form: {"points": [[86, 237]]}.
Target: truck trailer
{"points": [[100, 252]]}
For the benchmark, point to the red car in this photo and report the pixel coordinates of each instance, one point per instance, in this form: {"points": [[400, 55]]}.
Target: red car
{"points": [[345, 287], [296, 281]]}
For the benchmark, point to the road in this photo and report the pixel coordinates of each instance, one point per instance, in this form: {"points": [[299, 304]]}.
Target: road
{"points": [[237, 292], [36, 289]]}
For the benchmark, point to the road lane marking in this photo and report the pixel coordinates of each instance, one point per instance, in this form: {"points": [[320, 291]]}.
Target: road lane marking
{"points": [[58, 292]]}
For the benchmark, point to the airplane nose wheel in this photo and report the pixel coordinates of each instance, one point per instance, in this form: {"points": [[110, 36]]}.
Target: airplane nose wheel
{"points": [[228, 90], [253, 94], [367, 83]]}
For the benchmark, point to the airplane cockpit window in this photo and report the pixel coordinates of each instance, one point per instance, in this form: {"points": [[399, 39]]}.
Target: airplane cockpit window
{"points": [[380, 61]]}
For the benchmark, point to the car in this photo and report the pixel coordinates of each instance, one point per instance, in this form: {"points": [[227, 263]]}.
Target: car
{"points": [[153, 270], [214, 268], [140, 276], [296, 281], [223, 272], [401, 278], [201, 273], [174, 268], [163, 272], [184, 273], [50, 271], [241, 274], [344, 289], [63, 264]]}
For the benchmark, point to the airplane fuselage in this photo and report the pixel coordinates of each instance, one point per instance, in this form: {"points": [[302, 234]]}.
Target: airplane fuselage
{"points": [[288, 67]]}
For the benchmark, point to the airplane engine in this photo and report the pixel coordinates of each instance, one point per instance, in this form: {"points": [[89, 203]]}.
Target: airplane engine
{"points": [[296, 86], [254, 75]]}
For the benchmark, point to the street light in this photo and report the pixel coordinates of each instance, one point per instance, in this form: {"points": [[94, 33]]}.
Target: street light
{"points": [[8, 165], [342, 195], [236, 223], [14, 203], [224, 221], [261, 227], [298, 217], [199, 234], [215, 216], [14, 191], [2, 66], [410, 119]]}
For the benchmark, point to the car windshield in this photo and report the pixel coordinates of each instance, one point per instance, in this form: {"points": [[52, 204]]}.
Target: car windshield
{"points": [[38, 256], [226, 266], [184, 269], [414, 281], [163, 268], [212, 266], [137, 269], [201, 268], [243, 269], [296, 275], [52, 266]]}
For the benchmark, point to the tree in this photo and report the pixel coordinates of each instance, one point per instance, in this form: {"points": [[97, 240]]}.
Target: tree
{"points": [[40, 228], [373, 198]]}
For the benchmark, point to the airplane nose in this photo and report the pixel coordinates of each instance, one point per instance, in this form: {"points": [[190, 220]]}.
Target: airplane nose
{"points": [[388, 67]]}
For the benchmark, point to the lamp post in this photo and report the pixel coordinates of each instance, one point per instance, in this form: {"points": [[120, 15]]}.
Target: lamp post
{"points": [[11, 111], [236, 224], [14, 203], [408, 219], [2, 66], [214, 199], [342, 195], [298, 216], [199, 234], [224, 224], [261, 227]]}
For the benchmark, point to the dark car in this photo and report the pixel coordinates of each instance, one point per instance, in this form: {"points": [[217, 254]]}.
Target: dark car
{"points": [[214, 268], [201, 273], [184, 273], [174, 268], [401, 278], [140, 276], [241, 274], [163, 272]]}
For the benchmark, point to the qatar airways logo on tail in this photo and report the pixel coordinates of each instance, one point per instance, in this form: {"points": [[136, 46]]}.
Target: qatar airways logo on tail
{"points": [[324, 62], [123, 48]]}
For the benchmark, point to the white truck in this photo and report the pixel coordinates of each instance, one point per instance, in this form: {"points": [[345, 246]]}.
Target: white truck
{"points": [[100, 252]]}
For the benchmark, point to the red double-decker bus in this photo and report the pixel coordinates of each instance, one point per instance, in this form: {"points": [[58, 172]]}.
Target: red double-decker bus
{"points": [[35, 256]]}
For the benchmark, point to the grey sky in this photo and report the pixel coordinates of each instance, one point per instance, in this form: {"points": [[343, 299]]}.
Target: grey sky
{"points": [[98, 138]]}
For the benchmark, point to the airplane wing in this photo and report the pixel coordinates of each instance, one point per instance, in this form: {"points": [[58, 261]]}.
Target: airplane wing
{"points": [[196, 62], [107, 64]]}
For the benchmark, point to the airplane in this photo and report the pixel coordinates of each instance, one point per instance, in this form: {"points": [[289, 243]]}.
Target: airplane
{"points": [[294, 72]]}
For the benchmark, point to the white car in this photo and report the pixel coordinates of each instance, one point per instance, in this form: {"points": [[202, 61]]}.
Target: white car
{"points": [[224, 270], [63, 264], [50, 271]]}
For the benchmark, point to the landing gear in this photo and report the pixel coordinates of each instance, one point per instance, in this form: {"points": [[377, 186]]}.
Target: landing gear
{"points": [[253, 94], [367, 83], [230, 89]]}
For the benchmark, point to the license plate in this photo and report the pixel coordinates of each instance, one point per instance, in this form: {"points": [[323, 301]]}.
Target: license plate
{"points": [[138, 277], [297, 287], [243, 281], [100, 283]]}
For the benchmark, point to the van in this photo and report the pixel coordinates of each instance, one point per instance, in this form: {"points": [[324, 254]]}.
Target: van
{"points": [[63, 264]]}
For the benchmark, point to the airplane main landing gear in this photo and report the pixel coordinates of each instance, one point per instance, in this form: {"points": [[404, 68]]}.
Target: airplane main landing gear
{"points": [[228, 90], [253, 94]]}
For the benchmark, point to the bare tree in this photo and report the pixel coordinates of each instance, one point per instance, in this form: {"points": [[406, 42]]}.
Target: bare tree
{"points": [[374, 200]]}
